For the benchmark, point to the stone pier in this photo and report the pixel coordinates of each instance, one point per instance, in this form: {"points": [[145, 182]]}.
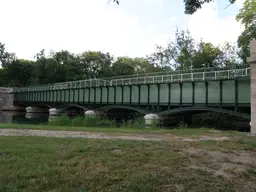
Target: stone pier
{"points": [[151, 119], [6, 100], [252, 61], [35, 110], [55, 112]]}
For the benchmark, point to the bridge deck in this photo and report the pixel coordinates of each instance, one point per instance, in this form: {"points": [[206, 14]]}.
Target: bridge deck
{"points": [[203, 74]]}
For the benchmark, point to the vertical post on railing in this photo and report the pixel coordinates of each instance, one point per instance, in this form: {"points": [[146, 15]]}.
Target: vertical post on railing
{"points": [[215, 75], [153, 79], [228, 74], [203, 75], [192, 76], [90, 82], [171, 78], [181, 77]]}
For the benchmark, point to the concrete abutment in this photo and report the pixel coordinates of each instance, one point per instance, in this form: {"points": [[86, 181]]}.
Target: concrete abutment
{"points": [[7, 100], [252, 61]]}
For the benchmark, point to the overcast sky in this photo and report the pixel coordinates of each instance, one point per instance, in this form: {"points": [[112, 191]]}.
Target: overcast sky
{"points": [[130, 29]]}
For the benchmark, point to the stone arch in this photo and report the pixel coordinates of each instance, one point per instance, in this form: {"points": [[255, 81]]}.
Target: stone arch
{"points": [[206, 109]]}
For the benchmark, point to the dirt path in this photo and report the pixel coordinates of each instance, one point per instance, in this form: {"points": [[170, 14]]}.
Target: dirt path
{"points": [[91, 135], [64, 134]]}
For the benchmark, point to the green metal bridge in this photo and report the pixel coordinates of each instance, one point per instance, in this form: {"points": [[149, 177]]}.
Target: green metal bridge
{"points": [[224, 89]]}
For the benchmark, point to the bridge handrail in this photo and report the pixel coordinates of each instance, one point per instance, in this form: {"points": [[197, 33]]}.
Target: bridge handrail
{"points": [[170, 72], [133, 80]]}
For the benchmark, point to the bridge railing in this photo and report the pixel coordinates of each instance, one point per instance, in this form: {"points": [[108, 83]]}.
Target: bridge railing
{"points": [[198, 76], [184, 71], [208, 74]]}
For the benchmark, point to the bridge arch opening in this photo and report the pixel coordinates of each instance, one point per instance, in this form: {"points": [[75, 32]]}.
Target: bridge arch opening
{"points": [[73, 109], [23, 105], [123, 114], [206, 117], [41, 105]]}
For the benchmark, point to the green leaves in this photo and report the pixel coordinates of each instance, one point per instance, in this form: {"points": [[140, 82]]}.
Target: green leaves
{"points": [[185, 53], [191, 6], [247, 16]]}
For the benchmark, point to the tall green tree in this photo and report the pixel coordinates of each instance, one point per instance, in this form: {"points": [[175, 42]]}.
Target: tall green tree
{"points": [[206, 55], [95, 64], [123, 66], [177, 54], [21, 73], [247, 16], [48, 69], [6, 58], [67, 65], [184, 53]]}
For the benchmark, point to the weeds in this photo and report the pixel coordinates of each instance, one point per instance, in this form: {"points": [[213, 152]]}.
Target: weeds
{"points": [[92, 121]]}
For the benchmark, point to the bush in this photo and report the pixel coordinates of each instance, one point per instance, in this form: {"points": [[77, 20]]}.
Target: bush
{"points": [[60, 121], [137, 123], [78, 121]]}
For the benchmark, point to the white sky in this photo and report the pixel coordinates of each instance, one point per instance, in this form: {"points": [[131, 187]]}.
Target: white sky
{"points": [[27, 26]]}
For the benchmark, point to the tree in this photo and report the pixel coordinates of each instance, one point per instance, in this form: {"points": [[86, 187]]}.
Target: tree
{"points": [[191, 6], [95, 64], [184, 53], [21, 73], [177, 54], [48, 70], [142, 65], [206, 55], [123, 66], [68, 65], [6, 58], [247, 16]]}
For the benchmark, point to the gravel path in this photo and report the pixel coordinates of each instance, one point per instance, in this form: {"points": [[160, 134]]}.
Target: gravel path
{"points": [[74, 134], [93, 135]]}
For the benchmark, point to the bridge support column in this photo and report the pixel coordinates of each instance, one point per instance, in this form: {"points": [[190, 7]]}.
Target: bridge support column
{"points": [[91, 113], [54, 112], [151, 120], [35, 110], [252, 61]]}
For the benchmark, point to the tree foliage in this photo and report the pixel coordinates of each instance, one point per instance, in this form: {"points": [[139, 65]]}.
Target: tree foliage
{"points": [[247, 16], [5, 57], [183, 52], [191, 6]]}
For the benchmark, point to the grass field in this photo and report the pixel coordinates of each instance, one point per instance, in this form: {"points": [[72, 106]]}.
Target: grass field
{"points": [[82, 165]]}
